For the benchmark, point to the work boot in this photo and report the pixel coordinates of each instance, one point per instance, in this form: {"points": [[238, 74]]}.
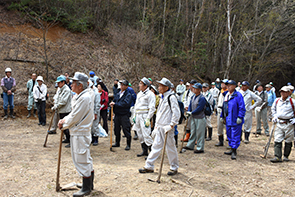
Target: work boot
{"points": [[187, 135], [234, 154], [246, 141], [86, 187], [68, 146], [287, 151], [229, 152], [34, 113], [144, 170], [135, 136], [5, 114], [116, 145], [95, 141], [128, 144], [29, 114], [11, 114], [92, 178], [144, 150], [278, 152], [172, 172], [220, 143], [209, 134]]}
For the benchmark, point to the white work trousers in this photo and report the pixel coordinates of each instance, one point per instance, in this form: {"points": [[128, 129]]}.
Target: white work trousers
{"points": [[157, 147], [284, 131], [81, 154], [220, 125], [143, 133], [95, 128], [248, 121], [54, 122], [208, 121], [261, 115]]}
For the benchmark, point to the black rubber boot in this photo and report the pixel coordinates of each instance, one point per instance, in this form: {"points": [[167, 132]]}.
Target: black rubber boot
{"points": [[92, 177], [229, 152], [287, 151], [220, 143], [209, 134], [86, 187], [128, 144], [67, 133], [234, 154], [278, 152], [34, 113], [135, 135], [144, 150], [95, 141], [11, 114], [29, 114], [5, 114], [247, 134]]}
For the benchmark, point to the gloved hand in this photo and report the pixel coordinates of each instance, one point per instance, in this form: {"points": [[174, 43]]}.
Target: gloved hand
{"points": [[258, 109], [101, 107], [134, 119], [250, 108], [147, 122], [274, 119], [221, 119], [239, 120], [167, 128], [188, 114], [54, 108], [292, 120]]}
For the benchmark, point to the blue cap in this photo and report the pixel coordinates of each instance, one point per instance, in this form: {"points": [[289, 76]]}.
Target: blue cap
{"points": [[231, 82], [257, 81], [181, 80], [289, 84], [91, 73], [197, 85], [224, 81], [246, 83], [60, 78]]}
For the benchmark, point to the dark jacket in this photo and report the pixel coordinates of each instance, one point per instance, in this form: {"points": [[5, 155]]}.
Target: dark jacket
{"points": [[133, 95], [123, 104], [115, 89]]}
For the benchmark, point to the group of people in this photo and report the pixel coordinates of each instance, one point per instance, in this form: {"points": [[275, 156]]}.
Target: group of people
{"points": [[154, 113]]}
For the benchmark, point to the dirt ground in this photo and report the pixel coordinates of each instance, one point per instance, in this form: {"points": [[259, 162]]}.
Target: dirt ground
{"points": [[29, 169]]}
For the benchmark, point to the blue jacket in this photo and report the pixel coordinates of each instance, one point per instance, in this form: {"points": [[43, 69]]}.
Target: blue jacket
{"points": [[133, 95], [233, 109], [271, 97], [123, 104]]}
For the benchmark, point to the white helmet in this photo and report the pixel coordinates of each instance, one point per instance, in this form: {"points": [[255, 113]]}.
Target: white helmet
{"points": [[8, 70]]}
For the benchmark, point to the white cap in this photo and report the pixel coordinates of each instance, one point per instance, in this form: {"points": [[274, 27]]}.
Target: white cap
{"points": [[40, 78], [146, 81], [217, 80], [285, 89], [8, 70], [164, 81], [187, 84], [291, 87]]}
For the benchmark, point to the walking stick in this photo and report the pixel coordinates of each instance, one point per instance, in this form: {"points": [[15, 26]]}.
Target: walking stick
{"points": [[268, 143], [162, 161], [111, 134], [44, 145], [184, 132], [57, 188]]}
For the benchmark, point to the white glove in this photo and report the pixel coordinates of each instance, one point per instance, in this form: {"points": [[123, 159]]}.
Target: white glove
{"points": [[54, 107], [167, 128], [134, 119], [221, 119], [258, 109], [292, 120], [188, 114], [239, 120], [147, 122], [274, 119]]}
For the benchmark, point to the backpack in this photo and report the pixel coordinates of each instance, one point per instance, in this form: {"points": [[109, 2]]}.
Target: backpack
{"points": [[208, 110], [181, 108]]}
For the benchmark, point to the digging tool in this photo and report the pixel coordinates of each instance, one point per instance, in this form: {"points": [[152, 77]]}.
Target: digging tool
{"points": [[58, 162], [268, 143], [44, 145], [184, 132], [111, 133], [162, 160]]}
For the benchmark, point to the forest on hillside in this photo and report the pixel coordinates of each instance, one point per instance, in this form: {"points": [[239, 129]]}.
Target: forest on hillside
{"points": [[241, 40]]}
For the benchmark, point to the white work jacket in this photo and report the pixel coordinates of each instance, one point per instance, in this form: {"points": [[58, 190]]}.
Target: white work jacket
{"points": [[145, 103], [248, 97], [283, 109], [167, 115], [63, 99], [80, 120], [214, 91], [180, 89], [37, 94], [188, 98]]}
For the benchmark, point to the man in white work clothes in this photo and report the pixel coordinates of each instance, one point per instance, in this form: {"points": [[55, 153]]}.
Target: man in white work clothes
{"points": [[79, 121], [167, 117]]}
